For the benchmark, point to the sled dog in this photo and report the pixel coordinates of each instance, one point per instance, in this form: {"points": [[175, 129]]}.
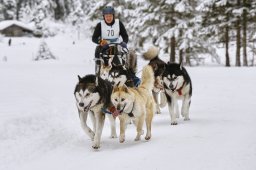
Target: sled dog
{"points": [[136, 104], [126, 62], [158, 66], [92, 96], [119, 76], [178, 86]]}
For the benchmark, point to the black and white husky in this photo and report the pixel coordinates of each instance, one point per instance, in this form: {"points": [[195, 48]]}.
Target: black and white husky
{"points": [[119, 76], [93, 96], [178, 86]]}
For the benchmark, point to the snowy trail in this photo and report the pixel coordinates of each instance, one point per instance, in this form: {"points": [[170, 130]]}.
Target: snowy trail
{"points": [[40, 129]]}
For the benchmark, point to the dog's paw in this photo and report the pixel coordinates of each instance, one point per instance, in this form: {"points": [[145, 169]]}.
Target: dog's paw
{"points": [[186, 119], [121, 139], [158, 111], [95, 146], [174, 123], [137, 138], [147, 137], [113, 136]]}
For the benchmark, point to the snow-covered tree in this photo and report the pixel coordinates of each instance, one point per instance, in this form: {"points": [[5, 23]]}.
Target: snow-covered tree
{"points": [[9, 9], [44, 52], [42, 15], [1, 11], [25, 13]]}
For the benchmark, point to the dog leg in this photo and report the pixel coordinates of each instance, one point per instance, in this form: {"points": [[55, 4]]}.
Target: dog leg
{"points": [[185, 108], [176, 111], [92, 116], [163, 99], [122, 129], [113, 125], [149, 117], [139, 127], [86, 128], [172, 113], [155, 95], [100, 118]]}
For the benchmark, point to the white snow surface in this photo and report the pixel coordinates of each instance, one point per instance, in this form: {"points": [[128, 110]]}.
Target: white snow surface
{"points": [[7, 23], [40, 128]]}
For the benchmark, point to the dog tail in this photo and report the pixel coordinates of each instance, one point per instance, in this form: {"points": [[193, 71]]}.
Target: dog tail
{"points": [[147, 78], [151, 53], [132, 61]]}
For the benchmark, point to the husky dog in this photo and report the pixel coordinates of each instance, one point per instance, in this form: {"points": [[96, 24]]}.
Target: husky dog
{"points": [[158, 66], [127, 64], [93, 96], [135, 103], [178, 86], [119, 75]]}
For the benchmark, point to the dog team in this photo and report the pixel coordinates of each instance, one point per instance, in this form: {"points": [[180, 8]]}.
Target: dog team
{"points": [[116, 92]]}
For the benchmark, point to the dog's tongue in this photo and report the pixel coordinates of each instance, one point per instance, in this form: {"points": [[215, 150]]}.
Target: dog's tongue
{"points": [[116, 113]]}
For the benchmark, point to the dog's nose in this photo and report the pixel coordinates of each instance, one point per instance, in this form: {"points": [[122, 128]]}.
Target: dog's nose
{"points": [[81, 104], [171, 86], [118, 107]]}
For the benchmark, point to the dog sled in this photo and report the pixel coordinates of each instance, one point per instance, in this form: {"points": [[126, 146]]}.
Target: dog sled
{"points": [[118, 56]]}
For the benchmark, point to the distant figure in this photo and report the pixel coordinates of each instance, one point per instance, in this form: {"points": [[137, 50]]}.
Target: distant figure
{"points": [[10, 42]]}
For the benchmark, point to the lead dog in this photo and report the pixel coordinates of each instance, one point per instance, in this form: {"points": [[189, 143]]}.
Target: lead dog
{"points": [[136, 104], [92, 96]]}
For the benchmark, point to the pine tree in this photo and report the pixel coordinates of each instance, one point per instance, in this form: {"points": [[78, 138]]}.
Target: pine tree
{"points": [[44, 52]]}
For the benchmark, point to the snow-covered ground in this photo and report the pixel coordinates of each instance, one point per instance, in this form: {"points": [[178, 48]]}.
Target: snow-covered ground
{"points": [[40, 128]]}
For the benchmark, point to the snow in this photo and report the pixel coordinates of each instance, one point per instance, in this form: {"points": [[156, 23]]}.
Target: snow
{"points": [[8, 23], [40, 128]]}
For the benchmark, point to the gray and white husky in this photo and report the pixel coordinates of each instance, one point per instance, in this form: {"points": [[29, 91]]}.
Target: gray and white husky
{"points": [[177, 86], [92, 96]]}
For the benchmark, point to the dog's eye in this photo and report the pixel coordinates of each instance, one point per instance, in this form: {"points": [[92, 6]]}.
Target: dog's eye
{"points": [[122, 99], [87, 94], [116, 100]]}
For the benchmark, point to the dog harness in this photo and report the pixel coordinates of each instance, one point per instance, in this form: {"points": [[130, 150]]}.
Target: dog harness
{"points": [[179, 90]]}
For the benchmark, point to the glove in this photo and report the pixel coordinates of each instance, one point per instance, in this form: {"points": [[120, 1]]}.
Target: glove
{"points": [[105, 47], [103, 42], [123, 44]]}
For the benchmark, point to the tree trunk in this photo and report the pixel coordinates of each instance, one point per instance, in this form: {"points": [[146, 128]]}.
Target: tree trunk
{"points": [[227, 45], [181, 56], [238, 39], [244, 42], [172, 54], [238, 43]]}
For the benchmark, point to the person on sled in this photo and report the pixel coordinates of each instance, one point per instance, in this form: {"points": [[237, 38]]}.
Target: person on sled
{"points": [[109, 30]]}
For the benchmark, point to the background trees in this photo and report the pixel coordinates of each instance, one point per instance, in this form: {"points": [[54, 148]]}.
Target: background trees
{"points": [[183, 29]]}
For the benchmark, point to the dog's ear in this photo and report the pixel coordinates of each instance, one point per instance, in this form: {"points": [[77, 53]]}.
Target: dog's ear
{"points": [[125, 88], [79, 78], [115, 89]]}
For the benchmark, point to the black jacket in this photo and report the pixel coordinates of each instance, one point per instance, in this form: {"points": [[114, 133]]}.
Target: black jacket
{"points": [[97, 33]]}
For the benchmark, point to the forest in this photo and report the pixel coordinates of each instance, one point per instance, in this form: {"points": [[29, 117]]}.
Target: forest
{"points": [[183, 29]]}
